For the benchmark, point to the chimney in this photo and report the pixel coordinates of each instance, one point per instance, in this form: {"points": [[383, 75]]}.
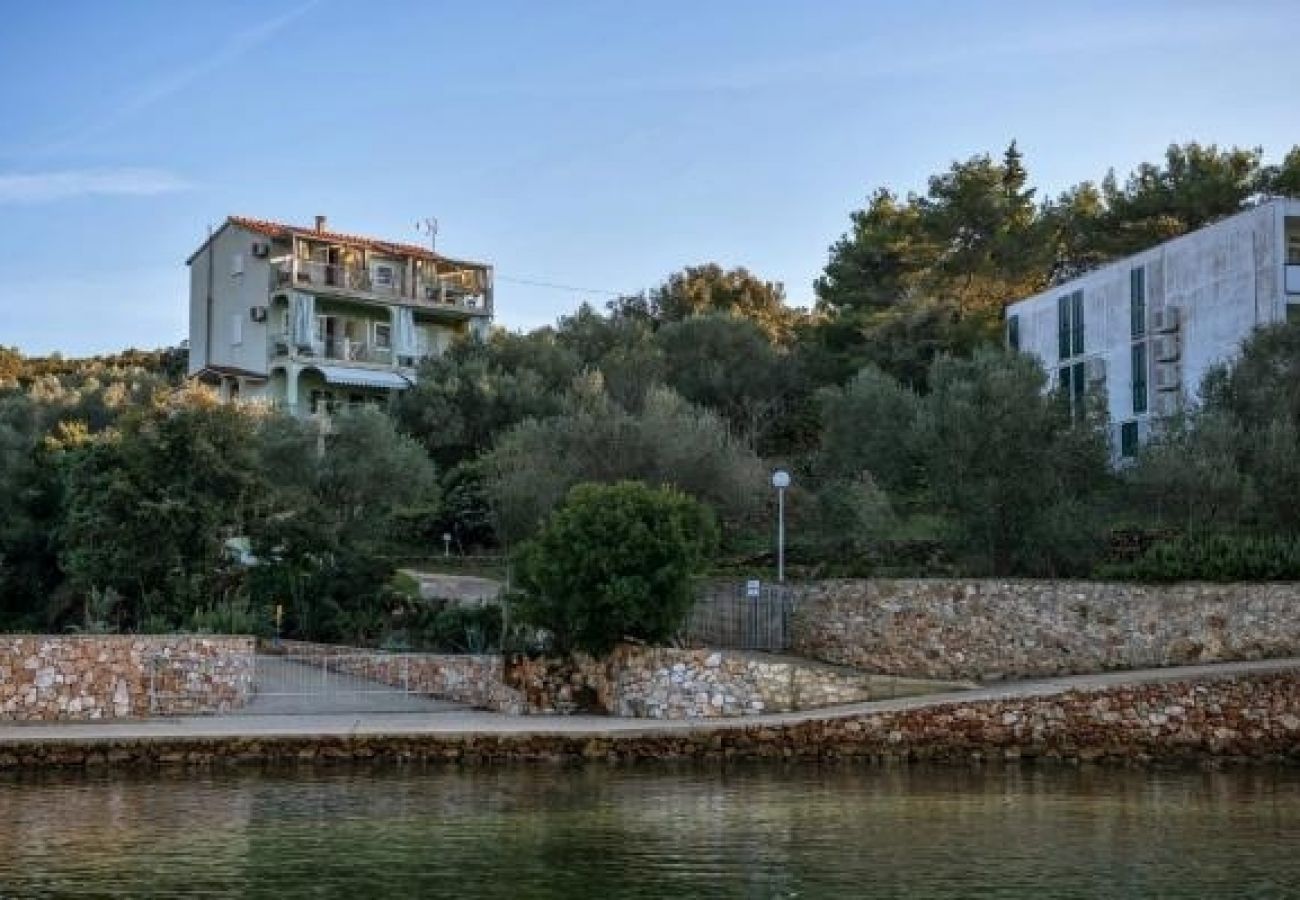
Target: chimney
{"points": [[320, 223]]}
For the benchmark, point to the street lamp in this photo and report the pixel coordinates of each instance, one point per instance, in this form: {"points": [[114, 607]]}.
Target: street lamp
{"points": [[780, 481]]}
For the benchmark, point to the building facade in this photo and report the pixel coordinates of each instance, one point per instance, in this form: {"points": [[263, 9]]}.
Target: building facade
{"points": [[1145, 330], [312, 320]]}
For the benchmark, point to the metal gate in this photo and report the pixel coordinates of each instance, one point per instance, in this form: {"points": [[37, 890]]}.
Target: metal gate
{"points": [[317, 684], [743, 616]]}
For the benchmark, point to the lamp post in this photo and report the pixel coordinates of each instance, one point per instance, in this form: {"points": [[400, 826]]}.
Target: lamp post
{"points": [[780, 481]]}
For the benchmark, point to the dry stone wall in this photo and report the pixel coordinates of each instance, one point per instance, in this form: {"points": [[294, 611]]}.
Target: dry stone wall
{"points": [[643, 682], [87, 677], [671, 683], [1248, 718], [988, 630]]}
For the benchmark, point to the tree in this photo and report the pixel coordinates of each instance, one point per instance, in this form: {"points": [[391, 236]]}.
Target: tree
{"points": [[725, 363], [669, 443], [709, 288], [1019, 479], [615, 563]]}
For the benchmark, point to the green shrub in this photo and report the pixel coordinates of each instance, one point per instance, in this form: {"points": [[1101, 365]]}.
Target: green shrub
{"points": [[1216, 557], [615, 562]]}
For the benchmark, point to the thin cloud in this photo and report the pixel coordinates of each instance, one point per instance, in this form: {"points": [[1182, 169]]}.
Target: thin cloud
{"points": [[174, 82], [47, 187]]}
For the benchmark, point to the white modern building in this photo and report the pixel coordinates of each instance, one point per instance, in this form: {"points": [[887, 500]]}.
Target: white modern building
{"points": [[314, 319], [1147, 328]]}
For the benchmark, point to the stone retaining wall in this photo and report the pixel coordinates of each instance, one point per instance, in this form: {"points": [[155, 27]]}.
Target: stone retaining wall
{"points": [[1251, 718], [987, 630], [643, 682], [85, 677], [670, 683]]}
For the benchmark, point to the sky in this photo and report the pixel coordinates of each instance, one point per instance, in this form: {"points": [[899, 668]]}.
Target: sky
{"points": [[590, 145]]}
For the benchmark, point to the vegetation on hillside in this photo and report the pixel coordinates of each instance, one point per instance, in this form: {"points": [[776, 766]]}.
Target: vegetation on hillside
{"points": [[916, 443]]}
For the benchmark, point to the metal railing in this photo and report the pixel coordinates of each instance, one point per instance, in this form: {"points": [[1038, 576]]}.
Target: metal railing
{"points": [[730, 616], [282, 344], [463, 289]]}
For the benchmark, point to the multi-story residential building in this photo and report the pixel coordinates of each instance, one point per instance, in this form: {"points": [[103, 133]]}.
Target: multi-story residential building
{"points": [[1147, 328], [312, 319]]}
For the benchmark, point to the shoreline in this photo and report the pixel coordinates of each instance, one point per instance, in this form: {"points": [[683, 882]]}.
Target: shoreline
{"points": [[1227, 713]]}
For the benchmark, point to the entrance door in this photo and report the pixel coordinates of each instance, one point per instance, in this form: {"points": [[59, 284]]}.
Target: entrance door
{"points": [[327, 335]]}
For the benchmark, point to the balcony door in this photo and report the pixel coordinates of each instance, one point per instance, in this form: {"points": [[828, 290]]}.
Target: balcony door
{"points": [[327, 333]]}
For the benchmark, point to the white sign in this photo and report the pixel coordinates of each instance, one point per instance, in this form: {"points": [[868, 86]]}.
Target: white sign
{"points": [[752, 588]]}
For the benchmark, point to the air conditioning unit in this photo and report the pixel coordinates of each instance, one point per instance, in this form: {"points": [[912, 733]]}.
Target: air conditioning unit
{"points": [[261, 249], [1167, 378], [1165, 320], [1165, 348], [1095, 369], [257, 313]]}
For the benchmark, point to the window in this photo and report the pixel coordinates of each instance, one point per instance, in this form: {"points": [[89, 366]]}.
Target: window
{"points": [[236, 329], [383, 335], [1063, 327], [236, 265], [1013, 332], [1139, 378], [384, 275], [1138, 302], [322, 401], [1128, 440], [1069, 323], [1076, 321], [1072, 382]]}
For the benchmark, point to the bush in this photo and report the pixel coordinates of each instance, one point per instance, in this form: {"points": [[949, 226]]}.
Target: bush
{"points": [[1218, 557], [615, 562]]}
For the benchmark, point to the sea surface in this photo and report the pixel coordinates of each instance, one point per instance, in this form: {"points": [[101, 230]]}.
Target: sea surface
{"points": [[653, 831]]}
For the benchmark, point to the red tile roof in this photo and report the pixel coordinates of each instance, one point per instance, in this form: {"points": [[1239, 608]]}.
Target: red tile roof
{"points": [[281, 230], [284, 231]]}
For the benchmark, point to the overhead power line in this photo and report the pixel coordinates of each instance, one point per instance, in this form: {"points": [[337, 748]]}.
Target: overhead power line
{"points": [[550, 285]]}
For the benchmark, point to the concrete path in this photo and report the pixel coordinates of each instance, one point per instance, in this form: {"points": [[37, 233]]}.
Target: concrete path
{"points": [[289, 688], [484, 723]]}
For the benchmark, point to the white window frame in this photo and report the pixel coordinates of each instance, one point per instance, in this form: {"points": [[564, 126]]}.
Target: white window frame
{"points": [[386, 343]]}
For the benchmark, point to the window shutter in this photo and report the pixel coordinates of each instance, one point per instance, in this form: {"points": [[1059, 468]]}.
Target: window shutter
{"points": [[1076, 321]]}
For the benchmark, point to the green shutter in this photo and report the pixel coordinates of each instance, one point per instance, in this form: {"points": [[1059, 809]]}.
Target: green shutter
{"points": [[1013, 332], [1128, 440], [1138, 302], [1079, 384], [1063, 327], [1139, 378], [1076, 321]]}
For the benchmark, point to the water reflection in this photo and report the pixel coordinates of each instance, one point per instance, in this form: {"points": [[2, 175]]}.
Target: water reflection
{"points": [[653, 832]]}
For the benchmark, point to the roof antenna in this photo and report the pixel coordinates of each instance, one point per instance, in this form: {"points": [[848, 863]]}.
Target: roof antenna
{"points": [[429, 227]]}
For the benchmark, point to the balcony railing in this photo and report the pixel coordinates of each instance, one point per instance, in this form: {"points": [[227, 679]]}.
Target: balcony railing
{"points": [[464, 289], [340, 349]]}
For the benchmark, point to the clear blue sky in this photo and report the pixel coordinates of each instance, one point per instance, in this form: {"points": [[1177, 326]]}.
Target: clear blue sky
{"points": [[588, 144]]}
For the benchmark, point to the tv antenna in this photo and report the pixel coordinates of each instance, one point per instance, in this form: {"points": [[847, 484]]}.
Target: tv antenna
{"points": [[429, 228]]}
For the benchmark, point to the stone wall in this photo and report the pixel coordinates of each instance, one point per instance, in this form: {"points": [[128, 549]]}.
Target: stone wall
{"points": [[643, 682], [1248, 718], [86, 677], [671, 683], [988, 630]]}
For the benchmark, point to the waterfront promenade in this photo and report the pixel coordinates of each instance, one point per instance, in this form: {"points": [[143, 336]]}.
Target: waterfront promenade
{"points": [[449, 721]]}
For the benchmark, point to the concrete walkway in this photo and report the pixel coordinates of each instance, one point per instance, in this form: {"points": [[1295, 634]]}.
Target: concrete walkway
{"points": [[286, 687], [484, 723]]}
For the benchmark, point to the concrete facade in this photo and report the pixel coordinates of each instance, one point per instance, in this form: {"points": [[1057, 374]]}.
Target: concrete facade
{"points": [[1164, 317], [373, 309]]}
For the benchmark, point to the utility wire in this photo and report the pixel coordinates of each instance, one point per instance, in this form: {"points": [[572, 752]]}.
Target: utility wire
{"points": [[563, 287]]}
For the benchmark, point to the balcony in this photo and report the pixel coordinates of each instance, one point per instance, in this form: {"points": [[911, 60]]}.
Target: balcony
{"points": [[347, 350], [462, 290]]}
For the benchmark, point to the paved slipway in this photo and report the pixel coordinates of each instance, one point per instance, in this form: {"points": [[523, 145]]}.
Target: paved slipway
{"points": [[453, 722]]}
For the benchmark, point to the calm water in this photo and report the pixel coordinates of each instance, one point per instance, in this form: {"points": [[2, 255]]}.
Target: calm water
{"points": [[654, 832]]}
